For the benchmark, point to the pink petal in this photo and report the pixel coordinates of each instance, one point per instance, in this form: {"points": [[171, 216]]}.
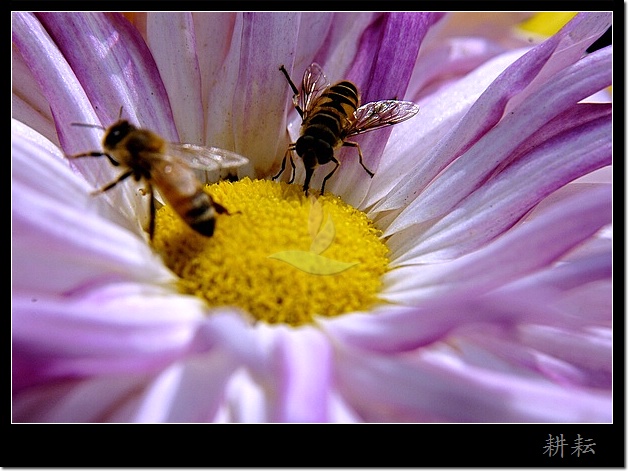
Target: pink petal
{"points": [[89, 332], [542, 240], [421, 135], [28, 103], [435, 387], [340, 46], [189, 391], [381, 70], [267, 41], [568, 45], [79, 76], [592, 354], [68, 233], [501, 202], [301, 364], [482, 116], [467, 172], [172, 41], [578, 357], [114, 66], [445, 60], [92, 400], [574, 39]]}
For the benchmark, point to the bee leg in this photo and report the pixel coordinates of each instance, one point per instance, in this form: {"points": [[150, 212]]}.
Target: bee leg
{"points": [[219, 208], [357, 146], [329, 175], [94, 154], [109, 186], [87, 154]]}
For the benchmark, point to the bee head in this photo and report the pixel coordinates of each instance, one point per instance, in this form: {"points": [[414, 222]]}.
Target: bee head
{"points": [[116, 133]]}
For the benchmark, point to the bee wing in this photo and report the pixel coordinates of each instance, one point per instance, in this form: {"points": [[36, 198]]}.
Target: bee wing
{"points": [[378, 114], [211, 163], [313, 84]]}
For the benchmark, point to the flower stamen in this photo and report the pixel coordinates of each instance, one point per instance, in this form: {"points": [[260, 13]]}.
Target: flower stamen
{"points": [[280, 255]]}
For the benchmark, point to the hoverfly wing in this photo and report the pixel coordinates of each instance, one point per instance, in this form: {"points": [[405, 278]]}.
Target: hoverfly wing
{"points": [[313, 84], [211, 163], [378, 114]]}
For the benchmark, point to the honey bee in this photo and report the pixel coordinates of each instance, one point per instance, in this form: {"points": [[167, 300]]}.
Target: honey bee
{"points": [[169, 167], [332, 113]]}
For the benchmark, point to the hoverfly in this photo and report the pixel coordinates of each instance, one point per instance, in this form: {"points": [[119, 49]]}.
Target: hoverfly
{"points": [[332, 113], [169, 167]]}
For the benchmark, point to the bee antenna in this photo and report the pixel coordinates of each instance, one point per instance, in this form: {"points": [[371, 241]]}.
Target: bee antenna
{"points": [[120, 113]]}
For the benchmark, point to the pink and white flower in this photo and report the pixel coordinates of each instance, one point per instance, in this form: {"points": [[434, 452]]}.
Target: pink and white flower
{"points": [[501, 268]]}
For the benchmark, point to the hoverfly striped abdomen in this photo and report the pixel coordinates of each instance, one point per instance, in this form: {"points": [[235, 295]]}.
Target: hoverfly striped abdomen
{"points": [[330, 114]]}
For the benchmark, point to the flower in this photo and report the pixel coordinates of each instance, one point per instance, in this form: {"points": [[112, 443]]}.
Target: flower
{"points": [[496, 300]]}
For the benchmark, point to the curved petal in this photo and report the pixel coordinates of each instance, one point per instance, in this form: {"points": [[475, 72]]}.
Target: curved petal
{"points": [[500, 349], [412, 154], [381, 70], [571, 294], [267, 41], [501, 202], [443, 62], [301, 366], [51, 208], [591, 352], [574, 40], [91, 400], [89, 65], [467, 173], [568, 46], [315, 38], [189, 391], [28, 103], [542, 240], [115, 68], [435, 387], [172, 41], [64, 94], [483, 115], [286, 376], [89, 332]]}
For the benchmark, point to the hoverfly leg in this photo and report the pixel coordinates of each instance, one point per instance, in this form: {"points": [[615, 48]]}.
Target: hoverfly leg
{"points": [[308, 176], [328, 175], [151, 211], [295, 90], [283, 163], [357, 146], [294, 169], [283, 167]]}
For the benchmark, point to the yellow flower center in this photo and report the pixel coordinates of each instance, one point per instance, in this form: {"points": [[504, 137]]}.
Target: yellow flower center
{"points": [[280, 255]]}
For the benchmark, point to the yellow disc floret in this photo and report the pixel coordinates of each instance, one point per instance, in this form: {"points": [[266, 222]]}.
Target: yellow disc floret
{"points": [[280, 255]]}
